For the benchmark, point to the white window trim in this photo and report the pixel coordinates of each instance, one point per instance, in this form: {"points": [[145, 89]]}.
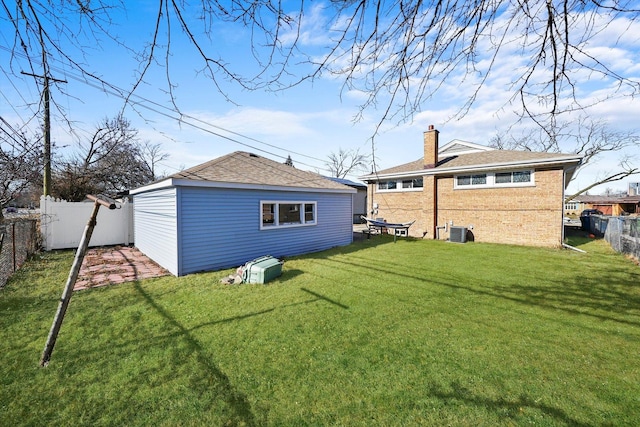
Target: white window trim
{"points": [[399, 188], [277, 225], [491, 176]]}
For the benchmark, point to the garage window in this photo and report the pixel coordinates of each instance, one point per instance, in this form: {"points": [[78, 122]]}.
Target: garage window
{"points": [[280, 214]]}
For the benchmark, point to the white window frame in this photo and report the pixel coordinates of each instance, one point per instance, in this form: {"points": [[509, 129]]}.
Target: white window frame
{"points": [[276, 220], [491, 180], [399, 185]]}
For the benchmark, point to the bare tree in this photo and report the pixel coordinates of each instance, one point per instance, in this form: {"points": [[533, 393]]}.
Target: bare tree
{"points": [[111, 161], [152, 155], [587, 137], [345, 162], [20, 162], [398, 53]]}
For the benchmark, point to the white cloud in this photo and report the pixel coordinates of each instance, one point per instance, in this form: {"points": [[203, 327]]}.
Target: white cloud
{"points": [[309, 28]]}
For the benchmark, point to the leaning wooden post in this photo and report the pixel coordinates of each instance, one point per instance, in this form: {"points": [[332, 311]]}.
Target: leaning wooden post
{"points": [[73, 276]]}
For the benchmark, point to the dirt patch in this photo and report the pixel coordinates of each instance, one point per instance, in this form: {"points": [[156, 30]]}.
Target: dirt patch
{"points": [[113, 265]]}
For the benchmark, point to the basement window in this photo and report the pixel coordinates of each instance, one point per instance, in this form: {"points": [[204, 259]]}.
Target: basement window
{"points": [[281, 214]]}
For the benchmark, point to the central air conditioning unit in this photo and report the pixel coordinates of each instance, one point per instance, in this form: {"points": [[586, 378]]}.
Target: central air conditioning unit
{"points": [[457, 234]]}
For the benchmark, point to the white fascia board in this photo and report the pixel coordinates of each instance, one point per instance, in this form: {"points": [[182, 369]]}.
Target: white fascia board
{"points": [[524, 164], [165, 183], [174, 182], [378, 177]]}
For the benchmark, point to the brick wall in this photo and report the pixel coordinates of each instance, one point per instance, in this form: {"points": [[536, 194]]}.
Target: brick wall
{"points": [[405, 206], [521, 215]]}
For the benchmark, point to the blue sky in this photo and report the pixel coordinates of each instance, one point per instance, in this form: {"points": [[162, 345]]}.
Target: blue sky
{"points": [[307, 122]]}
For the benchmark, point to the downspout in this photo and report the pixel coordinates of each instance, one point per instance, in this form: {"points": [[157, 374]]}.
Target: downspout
{"points": [[435, 207], [564, 177], [370, 185]]}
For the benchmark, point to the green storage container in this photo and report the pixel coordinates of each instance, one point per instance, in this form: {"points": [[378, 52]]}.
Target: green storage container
{"points": [[262, 270]]}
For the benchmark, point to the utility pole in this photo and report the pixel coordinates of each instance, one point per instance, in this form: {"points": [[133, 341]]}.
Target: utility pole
{"points": [[46, 181]]}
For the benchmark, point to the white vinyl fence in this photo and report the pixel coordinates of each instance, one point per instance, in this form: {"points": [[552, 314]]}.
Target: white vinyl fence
{"points": [[62, 224]]}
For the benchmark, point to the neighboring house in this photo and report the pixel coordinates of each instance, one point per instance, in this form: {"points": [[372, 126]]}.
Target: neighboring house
{"points": [[359, 198], [611, 205], [574, 207], [500, 196], [238, 207]]}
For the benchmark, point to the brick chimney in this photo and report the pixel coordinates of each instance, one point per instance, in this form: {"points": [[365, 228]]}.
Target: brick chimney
{"points": [[430, 147]]}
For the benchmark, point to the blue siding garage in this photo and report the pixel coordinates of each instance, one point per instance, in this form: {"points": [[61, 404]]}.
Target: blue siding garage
{"points": [[207, 218]]}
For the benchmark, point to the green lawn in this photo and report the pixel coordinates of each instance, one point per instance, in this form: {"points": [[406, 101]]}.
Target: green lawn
{"points": [[376, 333]]}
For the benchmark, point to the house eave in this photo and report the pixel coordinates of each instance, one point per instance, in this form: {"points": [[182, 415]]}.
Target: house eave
{"points": [[564, 162], [175, 182]]}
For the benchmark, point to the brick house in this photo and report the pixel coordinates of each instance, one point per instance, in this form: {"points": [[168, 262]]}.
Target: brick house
{"points": [[499, 196]]}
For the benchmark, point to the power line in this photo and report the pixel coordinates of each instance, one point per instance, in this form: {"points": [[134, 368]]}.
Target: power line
{"points": [[120, 93], [176, 115], [27, 104]]}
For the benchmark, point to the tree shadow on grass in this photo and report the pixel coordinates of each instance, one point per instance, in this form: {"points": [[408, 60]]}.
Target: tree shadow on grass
{"points": [[239, 408], [233, 406], [598, 296], [181, 331], [511, 408]]}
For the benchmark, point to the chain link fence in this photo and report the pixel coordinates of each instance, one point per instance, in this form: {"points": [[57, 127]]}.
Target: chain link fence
{"points": [[19, 238], [623, 234]]}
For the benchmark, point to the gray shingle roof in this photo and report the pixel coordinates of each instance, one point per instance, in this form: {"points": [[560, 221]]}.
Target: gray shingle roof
{"points": [[606, 199], [246, 168], [480, 160]]}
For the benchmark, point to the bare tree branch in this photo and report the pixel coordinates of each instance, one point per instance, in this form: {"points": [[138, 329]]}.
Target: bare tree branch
{"points": [[111, 161], [587, 137], [345, 162], [627, 172], [20, 162], [402, 55]]}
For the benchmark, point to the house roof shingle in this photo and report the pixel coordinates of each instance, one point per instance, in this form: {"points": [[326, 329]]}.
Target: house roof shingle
{"points": [[491, 159], [250, 169], [607, 200]]}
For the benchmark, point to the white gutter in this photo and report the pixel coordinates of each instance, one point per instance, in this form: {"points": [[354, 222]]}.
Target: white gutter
{"points": [[176, 182], [486, 167]]}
